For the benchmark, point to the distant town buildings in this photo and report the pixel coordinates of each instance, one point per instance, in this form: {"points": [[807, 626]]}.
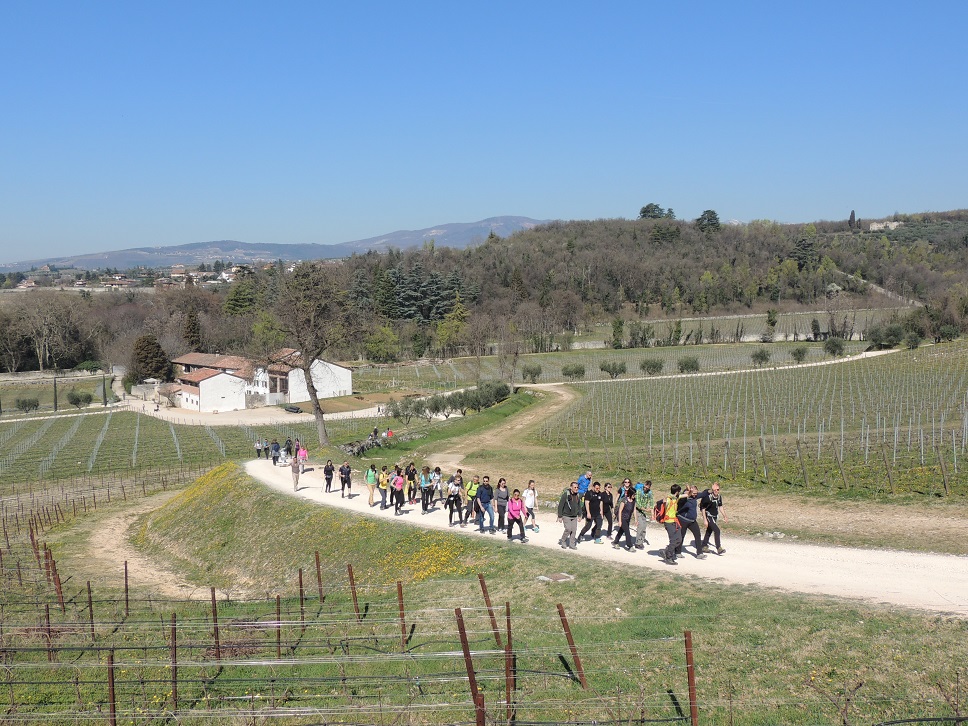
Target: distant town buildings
{"points": [[877, 226]]}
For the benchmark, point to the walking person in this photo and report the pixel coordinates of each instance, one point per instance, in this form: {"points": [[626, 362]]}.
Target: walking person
{"points": [[471, 498], [530, 497], [608, 504], [687, 514], [328, 471], [371, 477], [276, 451], [711, 505], [644, 504], [501, 497], [626, 517], [383, 483], [437, 488], [294, 466], [426, 490], [396, 484], [288, 447], [665, 514], [345, 480], [569, 509], [411, 473], [454, 503], [258, 448], [593, 513], [516, 512], [485, 505]]}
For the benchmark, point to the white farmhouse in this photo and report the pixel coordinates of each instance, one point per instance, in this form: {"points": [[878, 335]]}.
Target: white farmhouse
{"points": [[289, 382]]}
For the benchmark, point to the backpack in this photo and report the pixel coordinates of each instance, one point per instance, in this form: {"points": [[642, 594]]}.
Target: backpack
{"points": [[659, 512]]}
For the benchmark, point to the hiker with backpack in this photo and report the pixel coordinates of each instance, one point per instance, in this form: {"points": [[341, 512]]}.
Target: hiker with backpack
{"points": [[687, 513], [665, 514]]}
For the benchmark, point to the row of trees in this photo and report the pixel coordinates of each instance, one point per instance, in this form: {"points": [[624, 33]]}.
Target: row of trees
{"points": [[484, 395]]}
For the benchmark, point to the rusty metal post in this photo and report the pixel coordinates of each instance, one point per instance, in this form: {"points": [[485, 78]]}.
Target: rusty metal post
{"points": [[302, 602], [403, 619], [508, 678], [490, 612], [356, 603], [218, 649], [691, 677], [50, 651], [319, 580], [174, 664], [469, 664], [90, 609], [126, 608], [278, 628], [112, 705], [571, 645]]}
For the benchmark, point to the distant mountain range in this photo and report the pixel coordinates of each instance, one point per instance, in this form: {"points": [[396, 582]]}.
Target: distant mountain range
{"points": [[458, 234]]}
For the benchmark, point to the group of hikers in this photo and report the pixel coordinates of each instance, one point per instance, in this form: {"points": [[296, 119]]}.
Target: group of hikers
{"points": [[631, 511], [601, 512]]}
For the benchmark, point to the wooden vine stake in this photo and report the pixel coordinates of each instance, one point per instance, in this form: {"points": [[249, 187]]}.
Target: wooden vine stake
{"points": [[571, 645], [490, 612], [887, 465], [174, 664], [766, 464], [944, 470], [839, 457], [403, 619], [356, 602], [803, 466], [691, 677], [469, 664], [218, 648]]}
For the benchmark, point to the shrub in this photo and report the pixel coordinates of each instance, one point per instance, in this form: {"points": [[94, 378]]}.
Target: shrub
{"points": [[573, 371], [834, 346], [760, 357], [531, 372], [689, 364], [613, 368], [912, 340], [27, 404], [79, 400], [652, 366], [91, 366], [799, 353]]}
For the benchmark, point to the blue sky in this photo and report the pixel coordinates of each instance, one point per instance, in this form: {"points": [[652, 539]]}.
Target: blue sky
{"points": [[131, 123]]}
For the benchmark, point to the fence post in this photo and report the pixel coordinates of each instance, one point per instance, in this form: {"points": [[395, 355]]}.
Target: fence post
{"points": [[508, 680], [218, 649], [490, 612], [319, 580], [403, 619], [890, 474], [126, 609], [469, 664], [278, 628], [571, 645], [302, 603], [174, 665], [112, 706], [90, 609], [691, 677], [356, 603], [50, 651]]}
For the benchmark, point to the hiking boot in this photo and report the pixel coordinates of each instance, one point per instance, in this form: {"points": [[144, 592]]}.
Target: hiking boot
{"points": [[721, 551], [700, 556], [639, 547], [524, 540], [629, 549], [572, 547], [616, 545], [667, 561]]}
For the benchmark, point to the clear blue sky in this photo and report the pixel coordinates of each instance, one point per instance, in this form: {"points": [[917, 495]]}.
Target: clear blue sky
{"points": [[133, 123]]}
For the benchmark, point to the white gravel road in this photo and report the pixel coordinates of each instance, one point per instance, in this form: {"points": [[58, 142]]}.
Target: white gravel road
{"points": [[931, 582]]}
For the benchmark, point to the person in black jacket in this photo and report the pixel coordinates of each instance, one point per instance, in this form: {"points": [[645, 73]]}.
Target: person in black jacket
{"points": [[345, 480], [711, 505], [569, 510], [687, 513]]}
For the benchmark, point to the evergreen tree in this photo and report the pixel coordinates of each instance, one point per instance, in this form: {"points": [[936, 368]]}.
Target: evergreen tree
{"points": [[853, 219], [241, 298], [360, 297], [708, 222], [410, 293], [387, 294], [193, 330], [148, 360]]}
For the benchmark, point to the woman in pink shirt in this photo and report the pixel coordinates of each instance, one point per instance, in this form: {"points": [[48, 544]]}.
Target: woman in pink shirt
{"points": [[516, 511]]}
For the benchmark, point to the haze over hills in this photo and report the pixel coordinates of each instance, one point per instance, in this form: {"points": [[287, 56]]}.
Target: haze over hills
{"points": [[457, 234]]}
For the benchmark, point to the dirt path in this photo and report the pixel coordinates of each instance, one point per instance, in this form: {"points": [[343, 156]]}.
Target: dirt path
{"points": [[511, 433], [936, 583], [106, 545]]}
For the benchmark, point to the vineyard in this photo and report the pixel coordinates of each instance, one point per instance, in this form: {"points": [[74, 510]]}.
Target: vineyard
{"points": [[890, 424], [68, 446], [460, 372]]}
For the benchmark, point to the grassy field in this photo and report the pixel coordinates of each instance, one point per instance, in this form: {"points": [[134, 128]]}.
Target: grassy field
{"points": [[43, 391], [762, 657]]}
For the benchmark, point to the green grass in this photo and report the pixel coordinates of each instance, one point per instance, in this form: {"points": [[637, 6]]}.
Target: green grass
{"points": [[757, 652], [43, 391]]}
